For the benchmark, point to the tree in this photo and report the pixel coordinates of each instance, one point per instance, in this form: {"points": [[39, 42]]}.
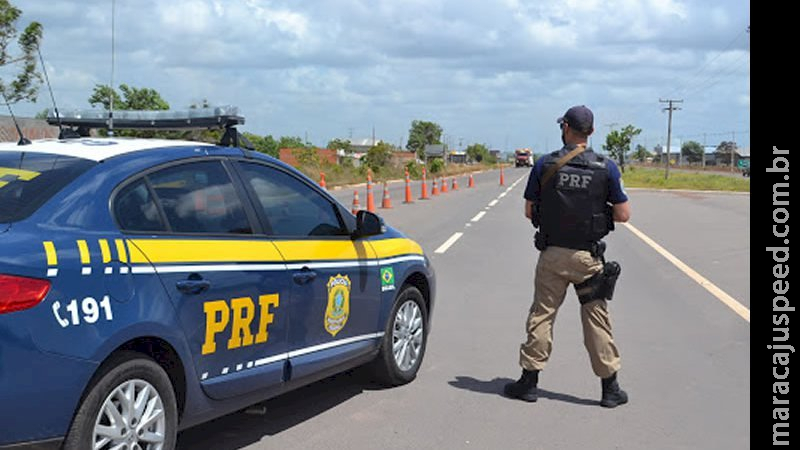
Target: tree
{"points": [[291, 142], [133, 99], [641, 154], [306, 156], [692, 151], [378, 156], [341, 144], [25, 84], [724, 151], [266, 144], [421, 134], [618, 143], [478, 152]]}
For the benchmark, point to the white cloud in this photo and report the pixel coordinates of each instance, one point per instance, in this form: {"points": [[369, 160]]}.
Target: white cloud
{"points": [[490, 71]]}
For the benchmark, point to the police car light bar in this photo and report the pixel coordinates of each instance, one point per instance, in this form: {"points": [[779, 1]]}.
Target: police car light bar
{"points": [[198, 118]]}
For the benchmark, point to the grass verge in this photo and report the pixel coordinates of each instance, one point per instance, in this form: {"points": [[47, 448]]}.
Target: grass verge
{"points": [[641, 177]]}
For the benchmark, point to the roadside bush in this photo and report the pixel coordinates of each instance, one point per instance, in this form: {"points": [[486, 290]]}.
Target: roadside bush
{"points": [[436, 166]]}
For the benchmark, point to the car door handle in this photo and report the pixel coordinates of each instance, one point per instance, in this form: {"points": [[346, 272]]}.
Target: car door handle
{"points": [[193, 286], [305, 276]]}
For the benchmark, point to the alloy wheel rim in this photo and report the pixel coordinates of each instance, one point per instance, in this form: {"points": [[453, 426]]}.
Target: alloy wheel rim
{"points": [[407, 335], [132, 418]]}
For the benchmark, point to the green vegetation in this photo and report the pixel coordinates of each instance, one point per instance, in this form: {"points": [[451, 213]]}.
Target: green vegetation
{"points": [[421, 134], [343, 174], [24, 84], [618, 143], [642, 177]]}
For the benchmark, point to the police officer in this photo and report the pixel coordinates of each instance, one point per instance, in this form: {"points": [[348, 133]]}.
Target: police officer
{"points": [[573, 197]]}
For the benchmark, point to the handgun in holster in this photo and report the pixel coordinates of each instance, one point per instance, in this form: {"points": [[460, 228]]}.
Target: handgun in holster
{"points": [[599, 286]]}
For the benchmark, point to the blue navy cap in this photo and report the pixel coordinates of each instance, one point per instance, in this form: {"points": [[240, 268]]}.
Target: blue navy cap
{"points": [[578, 117]]}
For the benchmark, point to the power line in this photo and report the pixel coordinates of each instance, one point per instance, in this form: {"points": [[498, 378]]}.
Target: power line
{"points": [[709, 62]]}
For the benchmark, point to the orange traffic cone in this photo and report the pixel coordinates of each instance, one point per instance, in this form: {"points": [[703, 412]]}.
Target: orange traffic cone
{"points": [[408, 189], [356, 206], [386, 203], [444, 185], [370, 196], [502, 178], [435, 190], [424, 187], [322, 180], [471, 182], [455, 184]]}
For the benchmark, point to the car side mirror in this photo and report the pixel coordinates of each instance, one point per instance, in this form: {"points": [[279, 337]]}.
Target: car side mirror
{"points": [[368, 224]]}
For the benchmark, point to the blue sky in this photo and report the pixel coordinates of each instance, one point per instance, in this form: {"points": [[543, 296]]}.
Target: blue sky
{"points": [[493, 72]]}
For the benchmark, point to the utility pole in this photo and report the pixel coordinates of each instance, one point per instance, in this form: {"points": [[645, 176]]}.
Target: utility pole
{"points": [[670, 108], [733, 150]]}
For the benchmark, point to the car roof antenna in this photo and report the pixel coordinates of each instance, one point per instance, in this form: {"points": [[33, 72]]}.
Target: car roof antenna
{"points": [[62, 133], [22, 139], [111, 87]]}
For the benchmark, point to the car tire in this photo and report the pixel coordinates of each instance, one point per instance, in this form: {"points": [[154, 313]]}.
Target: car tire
{"points": [[153, 395], [405, 339]]}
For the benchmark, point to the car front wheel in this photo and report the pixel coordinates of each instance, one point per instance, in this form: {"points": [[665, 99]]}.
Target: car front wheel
{"points": [[405, 339], [131, 405]]}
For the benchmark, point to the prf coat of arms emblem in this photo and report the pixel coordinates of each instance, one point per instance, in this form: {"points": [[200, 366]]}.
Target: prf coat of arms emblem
{"points": [[338, 309]]}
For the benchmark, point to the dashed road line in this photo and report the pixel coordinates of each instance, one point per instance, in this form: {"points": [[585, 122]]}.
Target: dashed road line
{"points": [[456, 236], [478, 216], [452, 240]]}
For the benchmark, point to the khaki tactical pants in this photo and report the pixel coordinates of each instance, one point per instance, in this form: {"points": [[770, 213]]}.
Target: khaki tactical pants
{"points": [[556, 269]]}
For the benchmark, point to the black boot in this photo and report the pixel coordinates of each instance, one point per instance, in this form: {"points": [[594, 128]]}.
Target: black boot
{"points": [[613, 396], [525, 387]]}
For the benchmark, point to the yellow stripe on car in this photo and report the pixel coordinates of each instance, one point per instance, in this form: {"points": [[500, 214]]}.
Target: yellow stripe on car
{"points": [[50, 251], [105, 252], [324, 250], [196, 251], [84, 251], [121, 252], [387, 248]]}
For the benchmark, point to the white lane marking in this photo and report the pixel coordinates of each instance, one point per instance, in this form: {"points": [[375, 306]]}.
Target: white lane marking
{"points": [[443, 248], [493, 202], [502, 195], [478, 216], [721, 295]]}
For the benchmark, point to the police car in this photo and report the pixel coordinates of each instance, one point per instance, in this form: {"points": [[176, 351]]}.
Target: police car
{"points": [[150, 285]]}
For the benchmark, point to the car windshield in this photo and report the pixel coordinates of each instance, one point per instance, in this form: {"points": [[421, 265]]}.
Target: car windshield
{"points": [[28, 180]]}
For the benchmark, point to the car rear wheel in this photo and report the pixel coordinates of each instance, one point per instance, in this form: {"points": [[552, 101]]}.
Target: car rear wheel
{"points": [[405, 339], [131, 406]]}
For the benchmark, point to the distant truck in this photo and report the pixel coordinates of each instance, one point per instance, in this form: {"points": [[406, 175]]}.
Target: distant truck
{"points": [[523, 157]]}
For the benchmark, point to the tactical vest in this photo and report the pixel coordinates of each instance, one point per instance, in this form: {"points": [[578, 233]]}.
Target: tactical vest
{"points": [[572, 211]]}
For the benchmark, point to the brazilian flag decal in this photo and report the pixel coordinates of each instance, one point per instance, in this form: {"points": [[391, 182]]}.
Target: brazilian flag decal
{"points": [[387, 279]]}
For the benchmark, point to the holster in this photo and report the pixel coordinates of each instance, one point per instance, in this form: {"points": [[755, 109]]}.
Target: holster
{"points": [[601, 285], [539, 241]]}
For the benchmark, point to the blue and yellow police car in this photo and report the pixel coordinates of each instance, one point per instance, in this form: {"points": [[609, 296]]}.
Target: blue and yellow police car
{"points": [[150, 285]]}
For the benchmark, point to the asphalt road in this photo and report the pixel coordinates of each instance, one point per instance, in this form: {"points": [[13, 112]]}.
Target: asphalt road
{"points": [[685, 352]]}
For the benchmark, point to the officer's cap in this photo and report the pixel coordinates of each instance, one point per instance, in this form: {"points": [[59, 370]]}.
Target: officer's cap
{"points": [[578, 117]]}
